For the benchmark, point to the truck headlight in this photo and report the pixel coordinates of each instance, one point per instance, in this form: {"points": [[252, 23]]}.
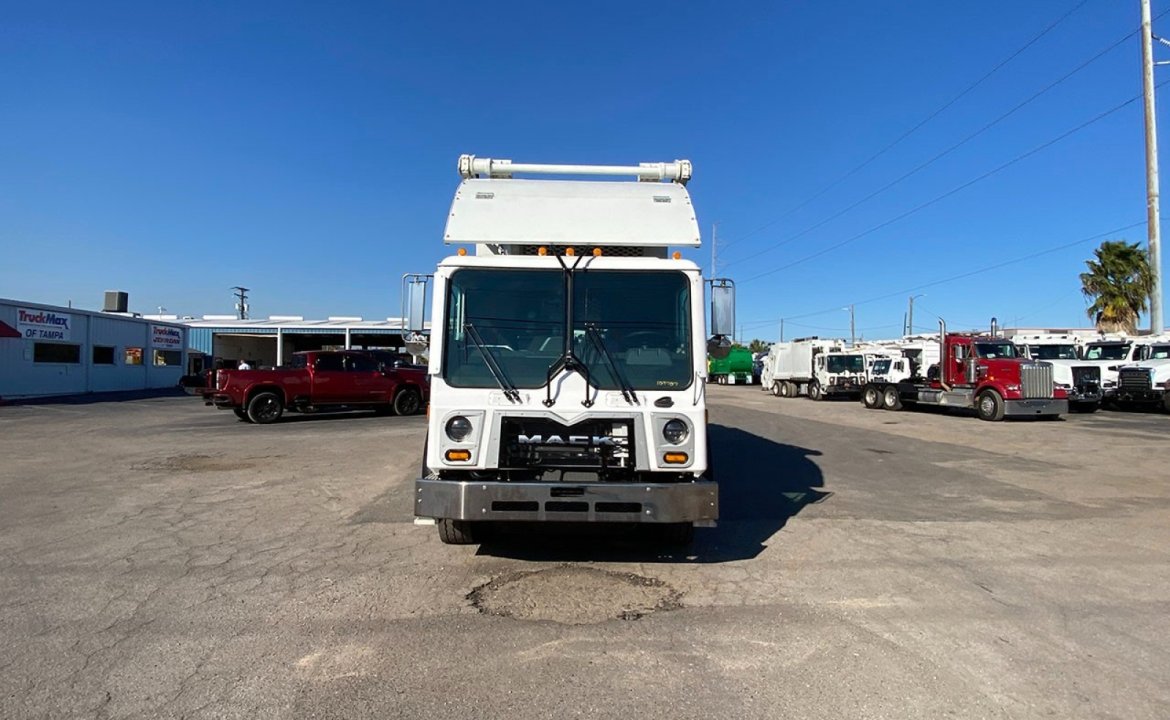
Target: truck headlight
{"points": [[458, 428], [675, 431]]}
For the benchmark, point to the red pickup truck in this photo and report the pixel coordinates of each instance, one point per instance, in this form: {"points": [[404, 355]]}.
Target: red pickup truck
{"points": [[323, 380]]}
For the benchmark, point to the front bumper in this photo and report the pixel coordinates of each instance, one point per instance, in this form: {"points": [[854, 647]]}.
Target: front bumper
{"points": [[1154, 394], [696, 501], [1040, 406]]}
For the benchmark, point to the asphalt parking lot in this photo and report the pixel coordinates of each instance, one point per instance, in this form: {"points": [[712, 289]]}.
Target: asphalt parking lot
{"points": [[160, 559]]}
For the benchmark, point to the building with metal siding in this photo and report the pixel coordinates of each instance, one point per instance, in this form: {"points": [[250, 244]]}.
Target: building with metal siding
{"points": [[269, 342], [50, 350]]}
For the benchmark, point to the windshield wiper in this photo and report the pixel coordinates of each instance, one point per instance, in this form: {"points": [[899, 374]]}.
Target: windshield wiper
{"points": [[493, 367], [594, 335]]}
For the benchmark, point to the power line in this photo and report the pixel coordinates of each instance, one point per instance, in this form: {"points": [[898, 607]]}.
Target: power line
{"points": [[916, 127], [952, 191], [922, 166], [967, 274]]}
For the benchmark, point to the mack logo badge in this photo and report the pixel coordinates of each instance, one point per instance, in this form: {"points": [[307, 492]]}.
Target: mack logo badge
{"points": [[587, 440]]}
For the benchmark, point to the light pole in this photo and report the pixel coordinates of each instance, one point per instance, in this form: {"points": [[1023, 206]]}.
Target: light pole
{"points": [[910, 315], [1153, 219], [852, 334]]}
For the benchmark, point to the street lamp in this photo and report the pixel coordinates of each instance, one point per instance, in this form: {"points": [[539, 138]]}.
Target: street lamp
{"points": [[910, 315]]}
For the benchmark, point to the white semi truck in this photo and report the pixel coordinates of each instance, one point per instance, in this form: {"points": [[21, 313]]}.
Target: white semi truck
{"points": [[823, 367], [568, 353], [1110, 353], [1147, 382], [1081, 379]]}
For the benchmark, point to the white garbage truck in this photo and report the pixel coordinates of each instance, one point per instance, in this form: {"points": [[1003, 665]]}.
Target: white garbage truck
{"points": [[824, 368], [1147, 382], [568, 353]]}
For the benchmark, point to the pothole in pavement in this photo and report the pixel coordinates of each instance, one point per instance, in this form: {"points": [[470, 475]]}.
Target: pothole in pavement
{"points": [[574, 595]]}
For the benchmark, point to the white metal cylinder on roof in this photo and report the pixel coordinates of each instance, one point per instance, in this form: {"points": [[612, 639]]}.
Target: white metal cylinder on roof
{"points": [[471, 166]]}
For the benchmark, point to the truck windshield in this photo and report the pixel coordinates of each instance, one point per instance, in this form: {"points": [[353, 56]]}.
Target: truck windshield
{"points": [[642, 318], [881, 367], [1111, 351], [845, 363], [994, 350], [1160, 352], [1053, 352]]}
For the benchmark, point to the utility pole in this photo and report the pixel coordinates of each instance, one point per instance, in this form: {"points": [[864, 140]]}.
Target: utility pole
{"points": [[852, 334], [910, 314], [714, 227], [781, 329], [1153, 215], [241, 301]]}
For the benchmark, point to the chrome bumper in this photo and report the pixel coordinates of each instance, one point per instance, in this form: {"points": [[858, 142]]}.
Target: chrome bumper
{"points": [[1042, 406], [696, 501]]}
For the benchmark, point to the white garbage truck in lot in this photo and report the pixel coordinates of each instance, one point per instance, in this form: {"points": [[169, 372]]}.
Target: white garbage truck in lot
{"points": [[1081, 379], [1110, 353], [568, 353], [823, 367], [1147, 382]]}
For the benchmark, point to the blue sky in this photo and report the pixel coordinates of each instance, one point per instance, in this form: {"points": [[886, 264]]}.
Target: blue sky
{"points": [[308, 151]]}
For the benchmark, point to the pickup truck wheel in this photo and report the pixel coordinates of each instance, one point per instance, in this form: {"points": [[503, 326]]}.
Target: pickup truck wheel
{"points": [[814, 391], [457, 532], [265, 407], [241, 414], [407, 402], [989, 406], [891, 400], [871, 397]]}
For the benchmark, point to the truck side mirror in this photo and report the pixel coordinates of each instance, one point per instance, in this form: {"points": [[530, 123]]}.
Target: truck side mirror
{"points": [[722, 317]]}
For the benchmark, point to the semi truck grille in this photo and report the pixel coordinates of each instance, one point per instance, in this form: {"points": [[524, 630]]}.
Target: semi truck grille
{"points": [[1036, 380], [544, 444], [1087, 379], [1134, 379]]}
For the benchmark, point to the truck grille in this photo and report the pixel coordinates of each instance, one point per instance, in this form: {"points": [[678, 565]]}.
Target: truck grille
{"points": [[544, 444], [1134, 379], [1087, 378], [1036, 380]]}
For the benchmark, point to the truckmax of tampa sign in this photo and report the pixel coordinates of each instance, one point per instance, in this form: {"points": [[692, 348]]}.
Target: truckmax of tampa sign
{"points": [[43, 324], [166, 338]]}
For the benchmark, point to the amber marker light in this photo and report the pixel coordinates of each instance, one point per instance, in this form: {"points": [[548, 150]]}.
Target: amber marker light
{"points": [[676, 255], [674, 458], [596, 252], [458, 455], [542, 251], [462, 252], [570, 251]]}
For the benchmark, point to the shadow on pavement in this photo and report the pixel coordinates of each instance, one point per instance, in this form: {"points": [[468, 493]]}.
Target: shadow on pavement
{"points": [[762, 484], [97, 397]]}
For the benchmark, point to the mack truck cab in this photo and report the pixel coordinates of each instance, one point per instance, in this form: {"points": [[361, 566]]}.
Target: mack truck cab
{"points": [[984, 373], [1109, 353], [568, 356], [1147, 382]]}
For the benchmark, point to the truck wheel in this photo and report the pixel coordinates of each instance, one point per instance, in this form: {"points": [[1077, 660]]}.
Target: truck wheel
{"points": [[871, 397], [989, 406], [814, 391], [674, 534], [457, 532], [407, 402], [777, 389], [891, 400], [265, 407], [239, 412]]}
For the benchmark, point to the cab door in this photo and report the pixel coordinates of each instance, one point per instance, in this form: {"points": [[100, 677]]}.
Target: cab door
{"points": [[370, 383], [331, 383]]}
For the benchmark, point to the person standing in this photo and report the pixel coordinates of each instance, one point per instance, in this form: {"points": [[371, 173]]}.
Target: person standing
{"points": [[245, 365]]}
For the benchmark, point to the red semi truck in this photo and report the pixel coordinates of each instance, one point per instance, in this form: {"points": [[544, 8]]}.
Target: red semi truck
{"points": [[322, 380], [977, 372]]}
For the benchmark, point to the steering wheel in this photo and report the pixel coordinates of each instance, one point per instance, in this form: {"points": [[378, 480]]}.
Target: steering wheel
{"points": [[648, 338]]}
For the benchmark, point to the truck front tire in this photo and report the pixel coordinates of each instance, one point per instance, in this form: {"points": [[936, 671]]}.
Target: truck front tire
{"points": [[814, 391], [457, 532], [265, 407], [989, 406]]}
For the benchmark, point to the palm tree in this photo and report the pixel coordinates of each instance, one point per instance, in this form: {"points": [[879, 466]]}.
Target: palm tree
{"points": [[1119, 283]]}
